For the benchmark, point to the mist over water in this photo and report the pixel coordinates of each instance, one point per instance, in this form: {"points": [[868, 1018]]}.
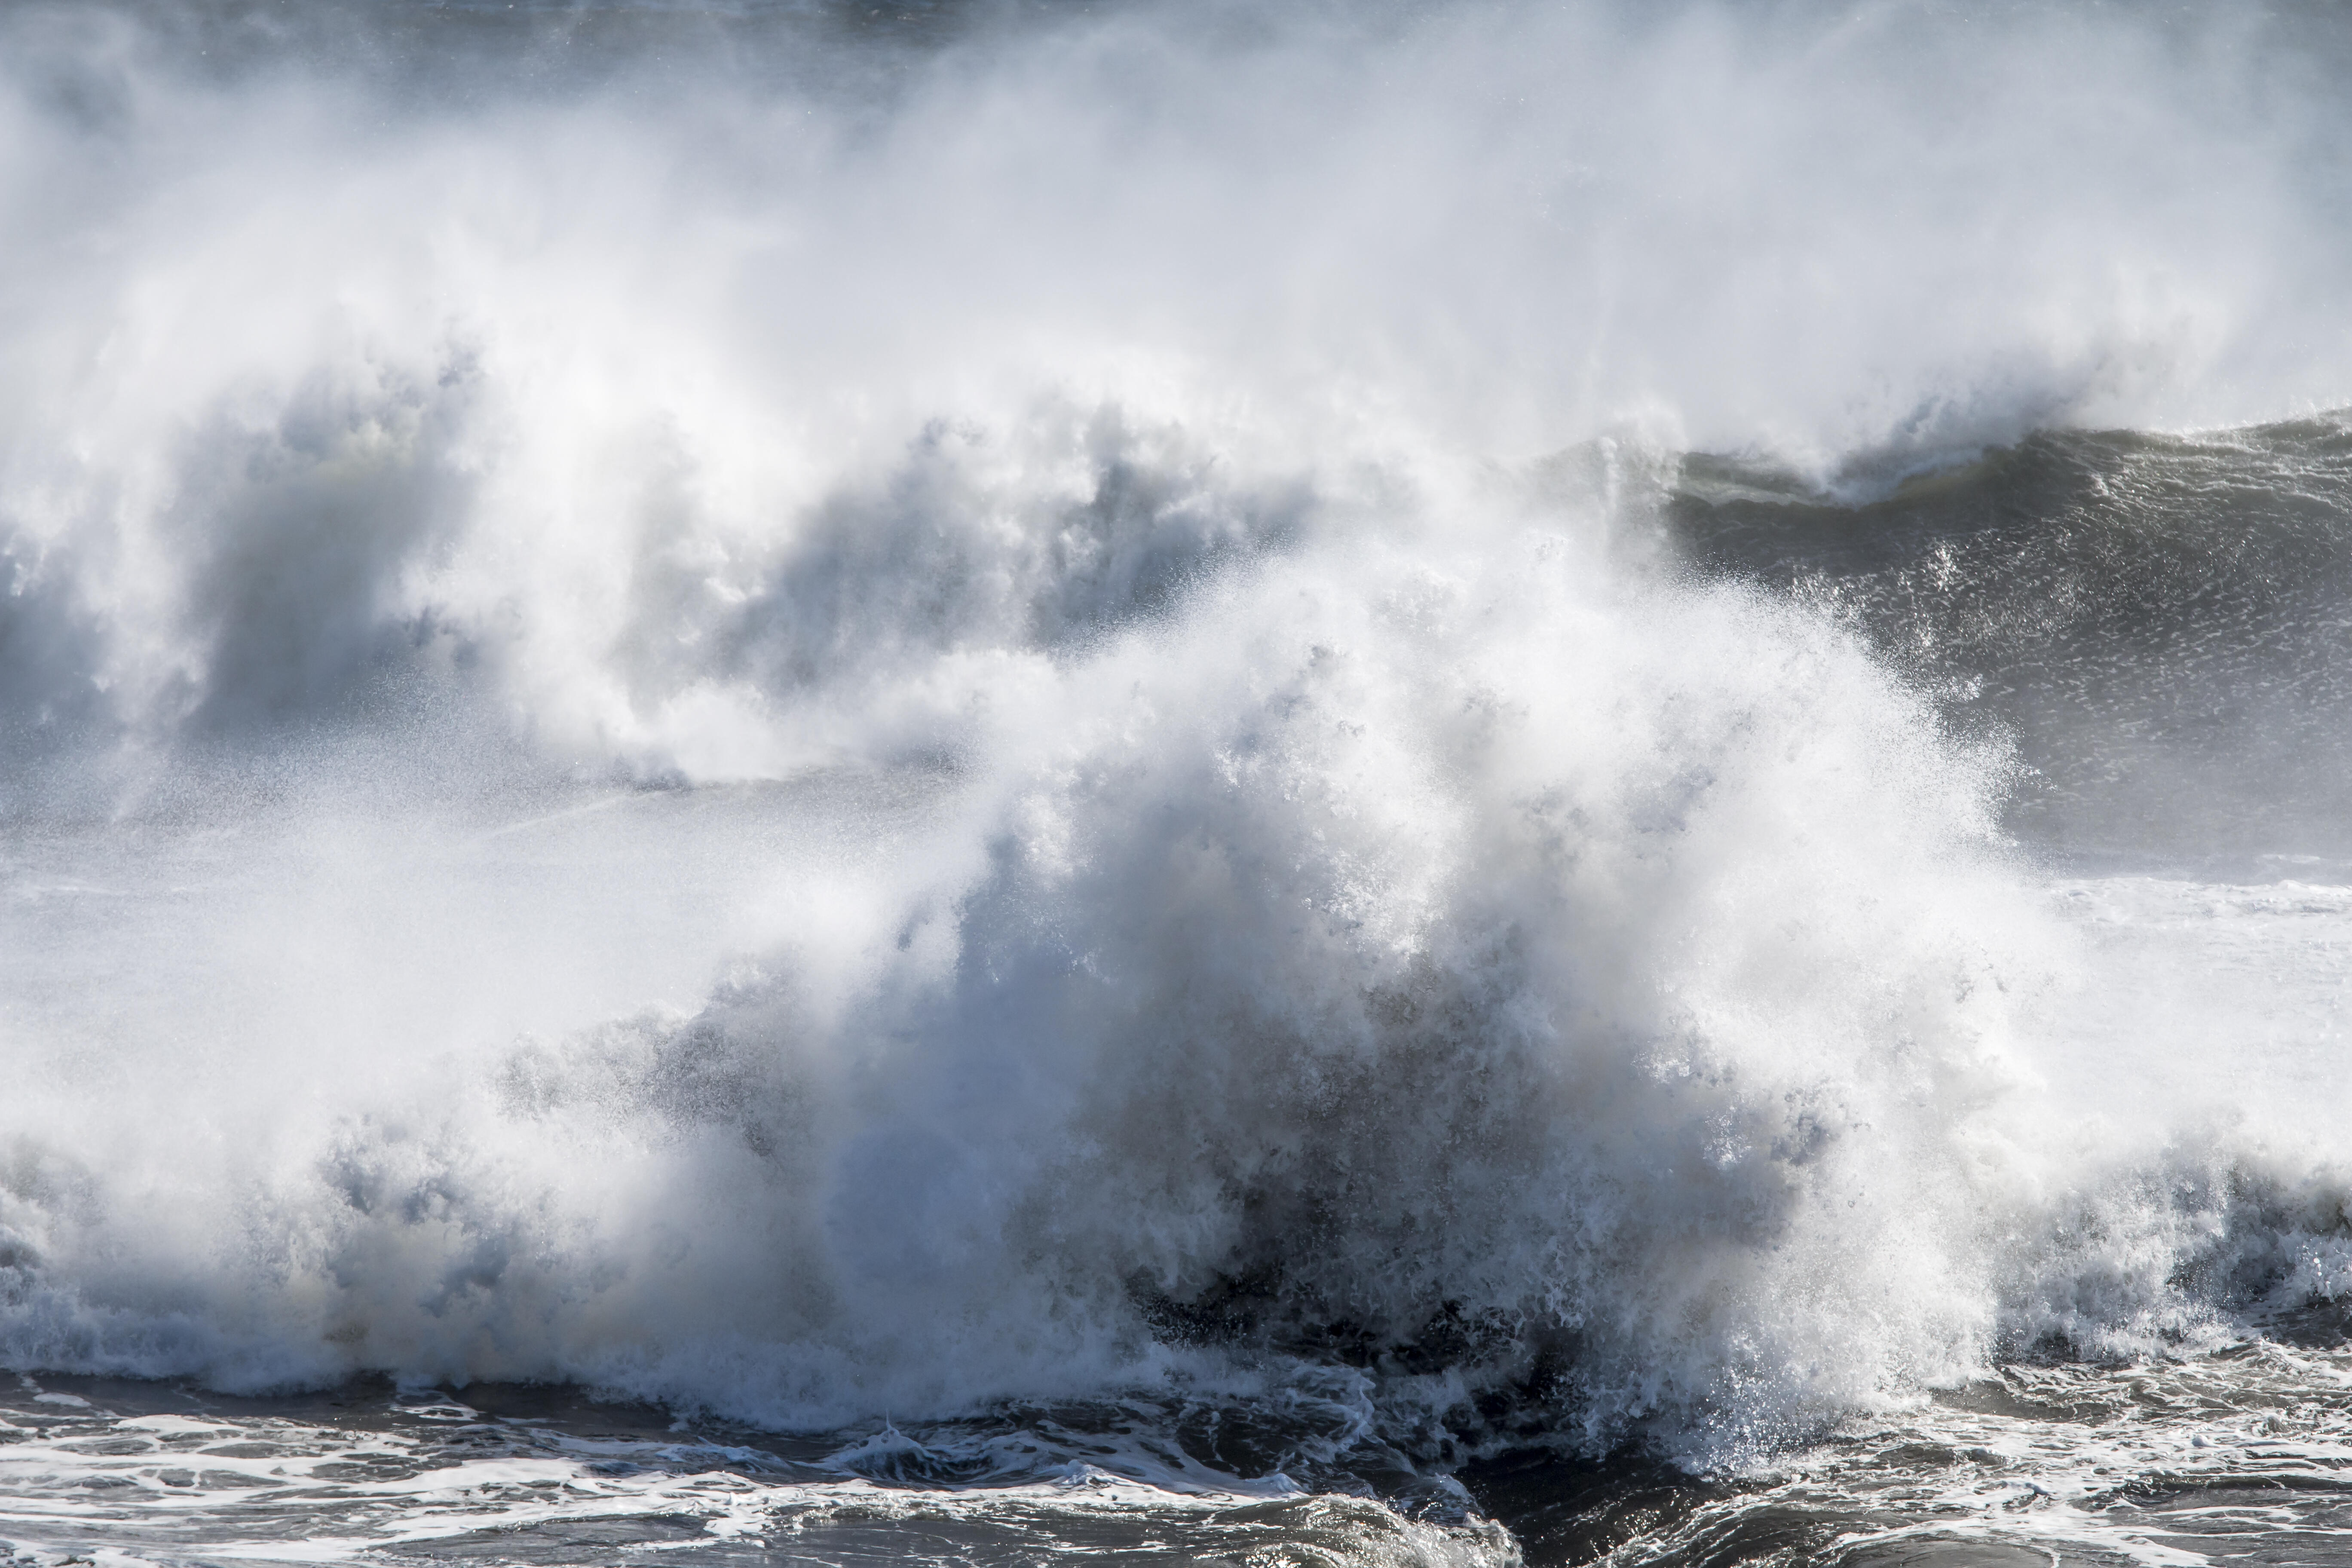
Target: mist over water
{"points": [[1459, 729]]}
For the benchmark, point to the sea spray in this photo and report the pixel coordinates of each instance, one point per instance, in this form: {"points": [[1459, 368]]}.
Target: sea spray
{"points": [[1391, 945], [1162, 712]]}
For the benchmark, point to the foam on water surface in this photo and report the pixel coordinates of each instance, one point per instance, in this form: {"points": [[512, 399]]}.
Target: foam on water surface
{"points": [[1485, 735], [375, 1476]]}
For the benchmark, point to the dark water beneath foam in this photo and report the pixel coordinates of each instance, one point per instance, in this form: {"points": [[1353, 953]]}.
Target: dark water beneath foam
{"points": [[2244, 1457]]}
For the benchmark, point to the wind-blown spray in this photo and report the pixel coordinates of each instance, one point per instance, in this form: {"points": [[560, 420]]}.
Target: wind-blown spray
{"points": [[1045, 709]]}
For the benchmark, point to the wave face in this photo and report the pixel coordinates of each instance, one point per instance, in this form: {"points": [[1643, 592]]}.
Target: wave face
{"points": [[1517, 726], [2154, 620]]}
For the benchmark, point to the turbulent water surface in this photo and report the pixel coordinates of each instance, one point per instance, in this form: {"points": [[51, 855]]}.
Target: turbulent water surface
{"points": [[984, 783]]}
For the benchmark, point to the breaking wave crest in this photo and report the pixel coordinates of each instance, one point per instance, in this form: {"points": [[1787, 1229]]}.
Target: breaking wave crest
{"points": [[812, 760]]}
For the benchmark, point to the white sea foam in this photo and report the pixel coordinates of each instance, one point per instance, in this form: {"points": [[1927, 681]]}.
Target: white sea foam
{"points": [[409, 1479], [1190, 809]]}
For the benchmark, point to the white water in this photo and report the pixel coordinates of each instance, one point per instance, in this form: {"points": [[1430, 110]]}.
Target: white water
{"points": [[415, 1477], [792, 748]]}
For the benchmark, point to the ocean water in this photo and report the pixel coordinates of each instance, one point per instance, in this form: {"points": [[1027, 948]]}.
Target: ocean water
{"points": [[985, 784]]}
